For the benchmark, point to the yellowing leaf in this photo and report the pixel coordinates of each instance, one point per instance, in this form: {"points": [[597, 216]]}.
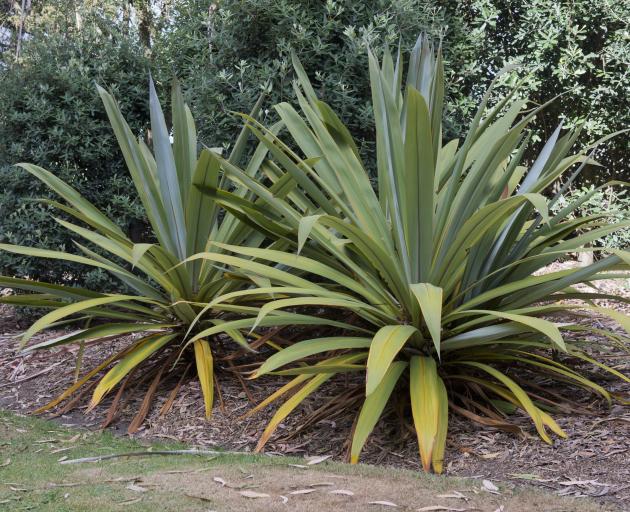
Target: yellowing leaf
{"points": [[427, 406], [286, 408], [141, 352], [205, 372]]}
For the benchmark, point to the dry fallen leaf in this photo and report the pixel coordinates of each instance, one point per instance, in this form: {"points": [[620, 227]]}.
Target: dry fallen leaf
{"points": [[202, 498], [524, 476], [383, 503], [301, 466], [130, 502], [253, 494], [490, 455], [455, 494], [583, 482], [284, 499], [219, 480], [321, 484], [136, 488], [440, 507], [5, 463], [344, 492], [490, 487], [317, 460], [303, 491], [59, 450]]}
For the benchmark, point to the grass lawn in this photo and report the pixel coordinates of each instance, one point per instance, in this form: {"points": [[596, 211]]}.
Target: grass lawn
{"points": [[32, 477]]}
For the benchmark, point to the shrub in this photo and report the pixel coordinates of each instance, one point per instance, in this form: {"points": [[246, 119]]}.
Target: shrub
{"points": [[437, 268], [578, 49], [227, 50], [608, 203], [50, 116], [167, 293]]}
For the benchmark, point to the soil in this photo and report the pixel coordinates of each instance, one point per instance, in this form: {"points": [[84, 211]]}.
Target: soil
{"points": [[591, 462]]}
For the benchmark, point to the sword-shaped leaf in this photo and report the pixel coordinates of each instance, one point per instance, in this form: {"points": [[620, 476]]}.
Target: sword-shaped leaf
{"points": [[205, 373], [387, 342], [372, 409], [430, 300]]}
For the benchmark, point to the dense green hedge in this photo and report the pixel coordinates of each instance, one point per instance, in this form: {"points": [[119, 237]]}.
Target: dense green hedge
{"points": [[51, 115]]}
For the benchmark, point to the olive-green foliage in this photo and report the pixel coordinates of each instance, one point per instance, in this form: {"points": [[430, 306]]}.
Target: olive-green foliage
{"points": [[442, 265]]}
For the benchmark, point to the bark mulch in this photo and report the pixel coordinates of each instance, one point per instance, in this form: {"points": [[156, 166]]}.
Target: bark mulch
{"points": [[593, 461]]}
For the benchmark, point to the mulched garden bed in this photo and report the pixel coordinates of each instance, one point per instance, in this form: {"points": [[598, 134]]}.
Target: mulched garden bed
{"points": [[592, 462]]}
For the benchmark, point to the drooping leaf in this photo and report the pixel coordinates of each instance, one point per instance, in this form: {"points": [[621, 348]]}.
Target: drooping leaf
{"points": [[387, 342], [372, 409], [427, 393]]}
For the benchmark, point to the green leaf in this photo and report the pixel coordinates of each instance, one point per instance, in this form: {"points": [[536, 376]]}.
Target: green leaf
{"points": [[138, 252], [308, 348], [167, 174], [71, 309], [304, 230], [387, 342], [97, 332], [430, 300], [544, 326], [373, 407]]}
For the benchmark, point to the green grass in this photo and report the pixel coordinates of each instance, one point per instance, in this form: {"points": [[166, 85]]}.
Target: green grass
{"points": [[32, 478], [34, 448]]}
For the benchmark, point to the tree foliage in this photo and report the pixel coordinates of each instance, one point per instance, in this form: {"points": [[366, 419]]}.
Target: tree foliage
{"points": [[225, 52], [51, 115], [579, 50]]}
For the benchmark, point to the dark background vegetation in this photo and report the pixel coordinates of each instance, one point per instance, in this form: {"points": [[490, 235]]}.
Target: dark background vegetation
{"points": [[53, 51]]}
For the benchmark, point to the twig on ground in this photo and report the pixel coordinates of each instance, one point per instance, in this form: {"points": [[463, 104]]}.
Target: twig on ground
{"points": [[100, 458]]}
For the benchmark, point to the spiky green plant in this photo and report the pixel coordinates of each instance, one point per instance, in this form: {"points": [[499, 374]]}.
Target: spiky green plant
{"points": [[439, 267], [166, 296]]}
